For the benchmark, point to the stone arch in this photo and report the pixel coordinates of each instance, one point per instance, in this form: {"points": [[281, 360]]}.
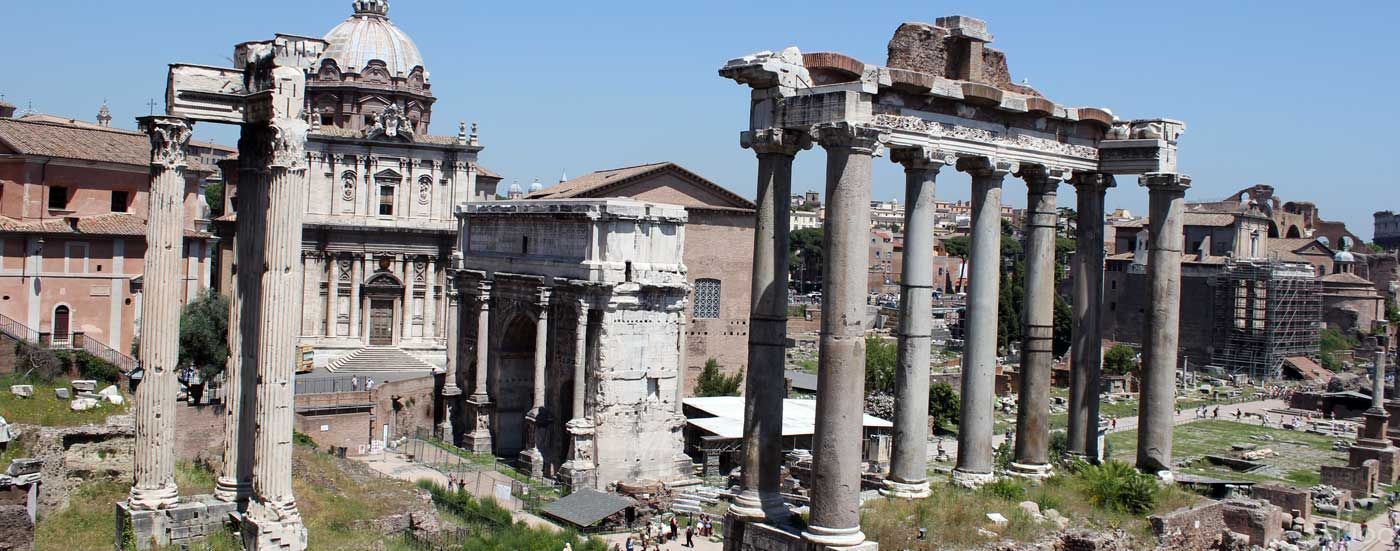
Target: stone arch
{"points": [[514, 381], [1294, 232]]}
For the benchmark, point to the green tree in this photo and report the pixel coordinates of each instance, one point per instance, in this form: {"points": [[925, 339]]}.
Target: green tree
{"points": [[214, 196], [1392, 313], [712, 382], [805, 253], [957, 247], [1120, 360], [1064, 327], [881, 357], [943, 404], [204, 333]]}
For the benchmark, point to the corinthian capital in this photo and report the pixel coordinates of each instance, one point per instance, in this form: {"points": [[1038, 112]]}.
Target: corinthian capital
{"points": [[765, 141], [1092, 182], [988, 167], [1044, 177], [287, 143], [169, 136], [1165, 181], [922, 157], [858, 138]]}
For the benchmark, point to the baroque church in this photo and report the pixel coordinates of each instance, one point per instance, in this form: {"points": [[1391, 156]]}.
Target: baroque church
{"points": [[379, 231]]}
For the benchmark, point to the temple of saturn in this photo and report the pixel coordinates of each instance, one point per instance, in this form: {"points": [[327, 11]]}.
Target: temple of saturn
{"points": [[264, 94], [944, 100]]}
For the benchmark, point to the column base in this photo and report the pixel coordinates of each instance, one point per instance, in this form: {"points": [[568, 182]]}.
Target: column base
{"points": [[972, 480], [751, 506], [231, 491], [1033, 472], [839, 538], [273, 527], [533, 460], [905, 490], [479, 439], [761, 536], [164, 497], [451, 389], [577, 475], [184, 524]]}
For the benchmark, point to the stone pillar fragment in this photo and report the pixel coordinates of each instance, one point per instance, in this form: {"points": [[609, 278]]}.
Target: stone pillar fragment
{"points": [[974, 466], [909, 466], [273, 521], [1156, 412], [760, 486], [835, 519], [154, 459], [1086, 352], [479, 439], [538, 418], [1032, 457]]}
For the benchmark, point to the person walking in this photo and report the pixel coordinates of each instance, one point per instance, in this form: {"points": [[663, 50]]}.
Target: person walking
{"points": [[690, 536], [369, 384], [354, 383]]}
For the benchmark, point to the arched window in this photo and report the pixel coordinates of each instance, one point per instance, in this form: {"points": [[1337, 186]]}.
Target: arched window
{"points": [[707, 298], [60, 323]]}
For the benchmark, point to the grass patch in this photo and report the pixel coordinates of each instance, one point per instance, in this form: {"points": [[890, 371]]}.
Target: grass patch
{"points": [[486, 526], [45, 409], [1299, 453]]}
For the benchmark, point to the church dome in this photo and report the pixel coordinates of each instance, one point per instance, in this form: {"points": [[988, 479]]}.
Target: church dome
{"points": [[368, 35]]}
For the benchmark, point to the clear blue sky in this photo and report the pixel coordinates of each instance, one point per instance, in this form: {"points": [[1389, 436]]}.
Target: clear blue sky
{"points": [[1299, 95]]}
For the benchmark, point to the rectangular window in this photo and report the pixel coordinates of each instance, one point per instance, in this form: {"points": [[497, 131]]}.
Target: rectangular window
{"points": [[707, 293], [386, 200], [119, 201], [75, 258], [58, 198]]}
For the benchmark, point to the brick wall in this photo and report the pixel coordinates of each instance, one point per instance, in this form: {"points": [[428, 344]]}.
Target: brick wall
{"points": [[199, 431], [416, 400], [348, 430], [1286, 497], [1261, 521], [719, 245], [1191, 529], [1359, 480]]}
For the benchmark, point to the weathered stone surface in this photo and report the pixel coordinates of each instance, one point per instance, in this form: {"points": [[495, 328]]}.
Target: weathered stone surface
{"points": [[189, 521], [1286, 498], [74, 455], [931, 49], [16, 529], [1192, 528], [84, 385], [1259, 520], [83, 404], [23, 391]]}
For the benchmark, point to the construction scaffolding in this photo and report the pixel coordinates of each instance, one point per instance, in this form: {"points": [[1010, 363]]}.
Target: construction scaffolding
{"points": [[1265, 311]]}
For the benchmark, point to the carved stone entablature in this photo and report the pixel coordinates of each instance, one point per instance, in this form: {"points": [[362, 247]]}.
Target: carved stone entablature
{"points": [[966, 140], [779, 141], [922, 157], [988, 166], [169, 136], [589, 208], [783, 70], [1140, 146]]}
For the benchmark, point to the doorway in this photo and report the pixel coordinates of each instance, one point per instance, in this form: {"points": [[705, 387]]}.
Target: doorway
{"points": [[381, 322], [60, 324]]}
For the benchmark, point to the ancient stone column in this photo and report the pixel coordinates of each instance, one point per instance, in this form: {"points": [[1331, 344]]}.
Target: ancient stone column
{"points": [[579, 471], [1086, 352], [274, 522], [835, 519], [1156, 412], [332, 294], [1032, 457], [537, 418], [357, 274], [450, 391], [160, 316], [974, 466], [479, 439], [909, 463], [409, 281], [235, 483], [760, 486]]}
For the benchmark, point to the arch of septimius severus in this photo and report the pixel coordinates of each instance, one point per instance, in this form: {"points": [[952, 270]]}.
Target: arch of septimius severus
{"points": [[944, 100]]}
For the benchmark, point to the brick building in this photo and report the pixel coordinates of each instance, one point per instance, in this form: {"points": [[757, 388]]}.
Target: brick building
{"points": [[718, 252], [73, 229]]}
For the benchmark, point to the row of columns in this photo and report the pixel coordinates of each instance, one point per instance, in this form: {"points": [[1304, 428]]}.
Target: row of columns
{"points": [[835, 479], [258, 423], [332, 310]]}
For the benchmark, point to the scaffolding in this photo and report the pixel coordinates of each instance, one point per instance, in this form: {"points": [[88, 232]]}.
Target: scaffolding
{"points": [[1265, 311]]}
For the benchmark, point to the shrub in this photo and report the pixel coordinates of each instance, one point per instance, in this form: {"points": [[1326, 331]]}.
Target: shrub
{"points": [[301, 439], [944, 404], [712, 382], [87, 366], [1117, 486], [1007, 489], [881, 357], [1120, 360]]}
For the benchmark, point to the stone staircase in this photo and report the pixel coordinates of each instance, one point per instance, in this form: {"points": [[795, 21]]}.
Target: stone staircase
{"points": [[378, 359], [694, 500]]}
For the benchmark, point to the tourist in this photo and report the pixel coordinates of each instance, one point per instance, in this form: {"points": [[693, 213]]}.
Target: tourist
{"points": [[630, 544], [369, 384], [354, 383], [1363, 530], [675, 529], [1392, 514], [1216, 413], [690, 536]]}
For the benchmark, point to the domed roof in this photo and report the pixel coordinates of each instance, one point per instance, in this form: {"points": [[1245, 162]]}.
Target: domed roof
{"points": [[368, 35]]}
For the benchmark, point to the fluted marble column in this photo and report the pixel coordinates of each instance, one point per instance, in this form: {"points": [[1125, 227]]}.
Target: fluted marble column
{"points": [[835, 519], [909, 463], [579, 470], [1086, 353], [154, 459], [760, 496], [332, 292], [276, 523], [480, 436], [451, 393], [1032, 454], [1156, 412], [975, 463], [235, 481], [538, 418]]}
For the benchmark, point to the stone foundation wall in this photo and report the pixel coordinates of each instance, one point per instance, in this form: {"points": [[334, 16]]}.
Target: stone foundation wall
{"points": [[1191, 529], [1287, 498], [1361, 481], [348, 430], [75, 455], [416, 401], [16, 529], [1261, 521], [192, 520]]}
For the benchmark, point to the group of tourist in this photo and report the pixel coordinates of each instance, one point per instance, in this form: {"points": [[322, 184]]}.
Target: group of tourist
{"points": [[646, 540]]}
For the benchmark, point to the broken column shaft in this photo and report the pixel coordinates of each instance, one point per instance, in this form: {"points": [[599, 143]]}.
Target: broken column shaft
{"points": [[1157, 410], [835, 519], [154, 459]]}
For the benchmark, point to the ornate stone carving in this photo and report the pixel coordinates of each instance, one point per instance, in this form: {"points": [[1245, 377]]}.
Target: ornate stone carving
{"points": [[347, 186], [169, 136], [858, 138], [391, 123], [937, 129], [425, 190], [922, 157], [287, 143], [987, 166], [420, 271], [775, 141]]}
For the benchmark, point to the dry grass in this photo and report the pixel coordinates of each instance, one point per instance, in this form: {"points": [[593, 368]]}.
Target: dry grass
{"points": [[334, 495]]}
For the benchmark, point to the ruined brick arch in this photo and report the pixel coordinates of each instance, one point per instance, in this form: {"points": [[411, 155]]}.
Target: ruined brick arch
{"points": [[1294, 232]]}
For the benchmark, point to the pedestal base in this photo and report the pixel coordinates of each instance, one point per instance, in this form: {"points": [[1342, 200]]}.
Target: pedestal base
{"points": [[577, 476], [972, 480], [741, 535], [1388, 456], [918, 490], [834, 538], [750, 506], [1033, 472], [533, 461], [264, 530], [232, 492], [187, 522]]}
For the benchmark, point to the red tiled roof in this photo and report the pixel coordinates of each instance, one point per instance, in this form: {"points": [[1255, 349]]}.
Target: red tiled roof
{"points": [[593, 184], [114, 224], [72, 141]]}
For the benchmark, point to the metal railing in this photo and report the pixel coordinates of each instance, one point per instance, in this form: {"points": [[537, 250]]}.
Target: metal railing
{"points": [[76, 340], [329, 385]]}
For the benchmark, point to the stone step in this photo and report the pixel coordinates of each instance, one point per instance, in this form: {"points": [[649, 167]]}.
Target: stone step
{"points": [[685, 508], [377, 360]]}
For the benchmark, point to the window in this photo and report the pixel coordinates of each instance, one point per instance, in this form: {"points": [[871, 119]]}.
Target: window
{"points": [[706, 298], [327, 120], [386, 200], [58, 198], [75, 258], [119, 201]]}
